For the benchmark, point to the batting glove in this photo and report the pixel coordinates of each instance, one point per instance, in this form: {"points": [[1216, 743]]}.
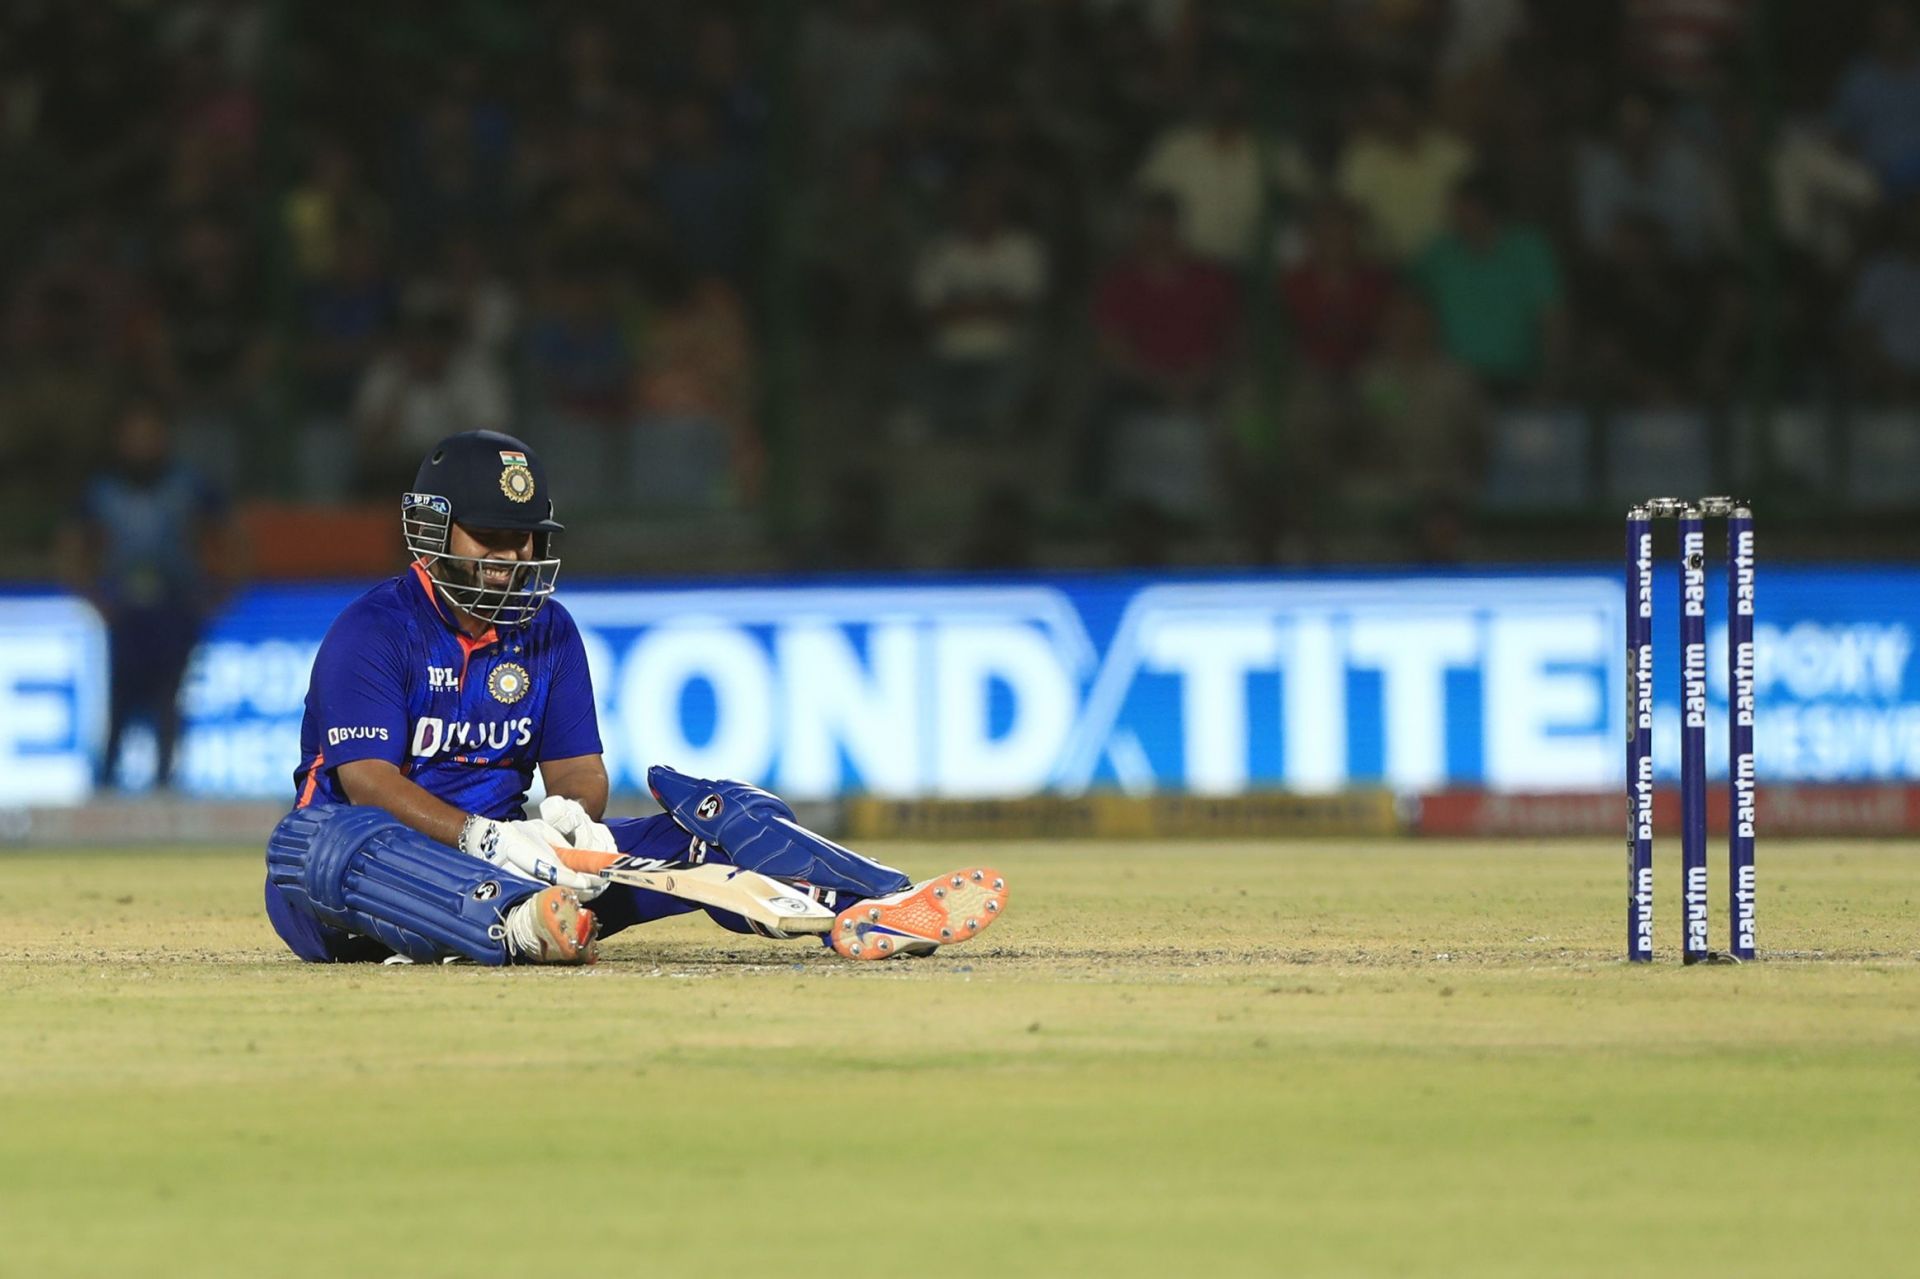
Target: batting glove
{"points": [[569, 818], [530, 849]]}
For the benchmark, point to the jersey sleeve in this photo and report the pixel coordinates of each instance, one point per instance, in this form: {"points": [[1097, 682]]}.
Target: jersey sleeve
{"points": [[572, 726], [358, 693]]}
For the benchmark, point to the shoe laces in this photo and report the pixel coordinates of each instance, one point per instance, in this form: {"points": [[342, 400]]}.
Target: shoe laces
{"points": [[525, 934]]}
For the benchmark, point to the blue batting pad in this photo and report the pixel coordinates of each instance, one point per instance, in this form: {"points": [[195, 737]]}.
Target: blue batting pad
{"points": [[315, 942], [358, 870], [757, 831]]}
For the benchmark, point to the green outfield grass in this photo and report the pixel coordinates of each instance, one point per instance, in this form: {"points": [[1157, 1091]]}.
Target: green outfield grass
{"points": [[1286, 1059]]}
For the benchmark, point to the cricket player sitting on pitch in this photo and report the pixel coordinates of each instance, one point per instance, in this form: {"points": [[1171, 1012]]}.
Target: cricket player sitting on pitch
{"points": [[432, 699]]}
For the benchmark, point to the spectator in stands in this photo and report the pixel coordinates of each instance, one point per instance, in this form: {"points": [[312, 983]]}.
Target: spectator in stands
{"points": [[426, 388], [1417, 457], [1400, 168], [149, 547], [1643, 167], [56, 397], [593, 84], [588, 204], [482, 294], [234, 31], [1007, 143], [1494, 286], [696, 444], [1679, 45], [136, 254], [1213, 167], [344, 313], [927, 154], [1525, 143], [1473, 60], [1167, 322], [1126, 90], [581, 345], [977, 288], [1657, 329], [1335, 299], [722, 76], [855, 241], [1884, 311], [1877, 107], [857, 60], [218, 352], [1823, 195], [194, 189], [579, 353], [1386, 32], [209, 105], [1335, 294], [332, 201], [452, 169], [707, 191]]}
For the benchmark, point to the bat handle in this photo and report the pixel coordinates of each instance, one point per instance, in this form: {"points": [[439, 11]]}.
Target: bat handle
{"points": [[584, 861]]}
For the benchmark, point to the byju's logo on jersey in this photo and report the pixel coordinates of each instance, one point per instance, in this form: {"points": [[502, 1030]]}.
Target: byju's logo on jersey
{"points": [[441, 679], [433, 736]]}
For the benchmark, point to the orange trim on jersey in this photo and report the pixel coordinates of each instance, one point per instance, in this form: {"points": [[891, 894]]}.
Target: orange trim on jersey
{"points": [[469, 644], [313, 780], [425, 579]]}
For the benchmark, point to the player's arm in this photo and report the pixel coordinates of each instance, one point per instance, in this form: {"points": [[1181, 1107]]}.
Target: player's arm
{"points": [[524, 847], [569, 746], [379, 783], [359, 700], [581, 778]]}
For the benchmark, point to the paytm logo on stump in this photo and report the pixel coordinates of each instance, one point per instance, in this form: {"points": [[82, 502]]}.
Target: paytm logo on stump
{"points": [[894, 691], [1003, 690], [53, 699]]}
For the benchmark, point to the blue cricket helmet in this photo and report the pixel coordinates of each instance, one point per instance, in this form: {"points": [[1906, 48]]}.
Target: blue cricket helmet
{"points": [[483, 480]]}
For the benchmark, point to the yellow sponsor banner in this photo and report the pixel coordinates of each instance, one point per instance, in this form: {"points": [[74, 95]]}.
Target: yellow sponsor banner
{"points": [[1274, 814], [1265, 815], [1039, 817]]}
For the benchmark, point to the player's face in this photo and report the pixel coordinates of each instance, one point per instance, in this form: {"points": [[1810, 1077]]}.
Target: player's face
{"points": [[505, 547]]}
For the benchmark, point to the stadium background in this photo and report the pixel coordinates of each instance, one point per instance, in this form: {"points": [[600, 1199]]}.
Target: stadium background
{"points": [[864, 339]]}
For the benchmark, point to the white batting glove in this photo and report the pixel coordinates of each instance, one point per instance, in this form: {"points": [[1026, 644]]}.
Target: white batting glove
{"points": [[570, 818], [526, 849]]}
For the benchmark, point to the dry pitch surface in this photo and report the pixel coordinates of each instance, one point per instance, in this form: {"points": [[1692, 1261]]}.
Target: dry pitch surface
{"points": [[1305, 1058]]}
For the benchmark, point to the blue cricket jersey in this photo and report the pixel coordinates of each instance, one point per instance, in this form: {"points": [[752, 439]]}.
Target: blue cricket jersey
{"points": [[466, 719]]}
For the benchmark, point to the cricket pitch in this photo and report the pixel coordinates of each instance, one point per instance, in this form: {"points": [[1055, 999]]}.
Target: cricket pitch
{"points": [[1305, 1058]]}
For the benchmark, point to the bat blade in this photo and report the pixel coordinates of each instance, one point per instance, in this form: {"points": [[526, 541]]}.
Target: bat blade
{"points": [[757, 897]]}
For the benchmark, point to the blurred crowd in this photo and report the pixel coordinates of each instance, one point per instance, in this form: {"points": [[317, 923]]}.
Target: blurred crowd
{"points": [[1010, 282]]}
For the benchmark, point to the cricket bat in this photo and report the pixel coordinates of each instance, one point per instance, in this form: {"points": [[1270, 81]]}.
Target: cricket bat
{"points": [[758, 897]]}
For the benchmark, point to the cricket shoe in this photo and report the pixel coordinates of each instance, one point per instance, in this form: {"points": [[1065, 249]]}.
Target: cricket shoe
{"points": [[552, 927], [936, 912]]}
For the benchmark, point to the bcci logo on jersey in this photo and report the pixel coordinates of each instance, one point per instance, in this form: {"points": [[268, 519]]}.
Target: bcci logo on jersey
{"points": [[508, 683]]}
